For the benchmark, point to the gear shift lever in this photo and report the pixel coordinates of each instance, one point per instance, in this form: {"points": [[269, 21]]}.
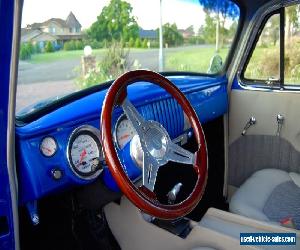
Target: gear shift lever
{"points": [[172, 195], [180, 226]]}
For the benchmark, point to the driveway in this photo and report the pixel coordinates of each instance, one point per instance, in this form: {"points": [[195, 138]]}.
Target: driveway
{"points": [[31, 93]]}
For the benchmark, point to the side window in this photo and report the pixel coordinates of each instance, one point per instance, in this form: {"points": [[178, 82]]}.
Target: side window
{"points": [[273, 64], [264, 64]]}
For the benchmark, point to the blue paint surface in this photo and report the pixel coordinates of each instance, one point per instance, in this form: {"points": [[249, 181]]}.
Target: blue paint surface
{"points": [[207, 95], [6, 29]]}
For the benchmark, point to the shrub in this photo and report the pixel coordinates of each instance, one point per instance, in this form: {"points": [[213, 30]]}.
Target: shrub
{"points": [[70, 45], [114, 63], [95, 44], [74, 45], [79, 45], [37, 48], [131, 42], [196, 40], [30, 48], [137, 43], [25, 53], [49, 47], [154, 44], [144, 43], [295, 74]]}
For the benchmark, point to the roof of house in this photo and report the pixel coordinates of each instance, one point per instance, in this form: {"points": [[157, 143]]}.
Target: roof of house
{"points": [[148, 34], [29, 35], [72, 21], [60, 21]]}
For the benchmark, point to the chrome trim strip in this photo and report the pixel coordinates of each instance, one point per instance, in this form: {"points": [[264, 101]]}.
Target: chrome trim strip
{"points": [[11, 162]]}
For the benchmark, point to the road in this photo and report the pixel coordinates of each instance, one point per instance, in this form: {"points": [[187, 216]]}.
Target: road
{"points": [[64, 69]]}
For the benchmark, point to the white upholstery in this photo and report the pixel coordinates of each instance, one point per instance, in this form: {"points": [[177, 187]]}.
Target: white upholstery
{"points": [[296, 178], [249, 200], [203, 248], [232, 225]]}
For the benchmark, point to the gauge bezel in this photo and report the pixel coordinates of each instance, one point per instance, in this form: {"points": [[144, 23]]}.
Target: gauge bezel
{"points": [[120, 118], [40, 146], [95, 134]]}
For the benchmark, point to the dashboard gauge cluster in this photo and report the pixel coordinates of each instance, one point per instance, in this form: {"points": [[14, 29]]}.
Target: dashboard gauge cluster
{"points": [[124, 131], [84, 152], [48, 146]]}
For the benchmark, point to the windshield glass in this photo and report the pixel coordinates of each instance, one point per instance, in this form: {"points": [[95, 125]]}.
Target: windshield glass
{"points": [[68, 45]]}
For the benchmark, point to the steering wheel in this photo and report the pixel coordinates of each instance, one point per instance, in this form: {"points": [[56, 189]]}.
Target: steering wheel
{"points": [[156, 145]]}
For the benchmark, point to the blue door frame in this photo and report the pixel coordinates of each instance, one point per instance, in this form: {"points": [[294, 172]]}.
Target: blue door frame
{"points": [[7, 239]]}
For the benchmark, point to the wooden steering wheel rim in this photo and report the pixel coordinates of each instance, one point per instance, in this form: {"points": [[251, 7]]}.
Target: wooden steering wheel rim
{"points": [[140, 197]]}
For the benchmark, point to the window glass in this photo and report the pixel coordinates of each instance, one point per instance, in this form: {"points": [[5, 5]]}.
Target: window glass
{"points": [[264, 64], [292, 46], [68, 45]]}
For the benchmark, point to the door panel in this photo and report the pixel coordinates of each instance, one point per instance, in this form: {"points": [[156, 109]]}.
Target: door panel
{"points": [[261, 148], [266, 86]]}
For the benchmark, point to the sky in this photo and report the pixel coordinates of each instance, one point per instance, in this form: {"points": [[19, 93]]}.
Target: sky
{"points": [[145, 11]]}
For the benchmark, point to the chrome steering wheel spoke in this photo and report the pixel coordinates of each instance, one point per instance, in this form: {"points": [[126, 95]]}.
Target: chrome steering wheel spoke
{"points": [[158, 149], [150, 169], [133, 116], [180, 155]]}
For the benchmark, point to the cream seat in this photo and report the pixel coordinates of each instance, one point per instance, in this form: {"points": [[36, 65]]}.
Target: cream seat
{"points": [[269, 195]]}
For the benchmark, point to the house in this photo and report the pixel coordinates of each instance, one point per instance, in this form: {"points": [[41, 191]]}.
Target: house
{"points": [[148, 34], [55, 30], [187, 33]]}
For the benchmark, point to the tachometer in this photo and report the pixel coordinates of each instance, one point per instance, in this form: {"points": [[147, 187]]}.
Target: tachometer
{"points": [[124, 131], [85, 152]]}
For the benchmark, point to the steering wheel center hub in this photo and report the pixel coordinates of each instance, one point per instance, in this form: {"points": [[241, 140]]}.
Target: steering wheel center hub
{"points": [[156, 141]]}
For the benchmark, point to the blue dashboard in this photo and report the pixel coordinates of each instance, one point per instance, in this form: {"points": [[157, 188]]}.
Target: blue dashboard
{"points": [[207, 95]]}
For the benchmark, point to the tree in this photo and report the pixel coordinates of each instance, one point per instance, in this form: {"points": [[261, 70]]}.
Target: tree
{"points": [[209, 29], [115, 22], [171, 35], [291, 20], [226, 8], [273, 30]]}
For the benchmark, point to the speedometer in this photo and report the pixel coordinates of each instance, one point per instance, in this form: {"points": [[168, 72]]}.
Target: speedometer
{"points": [[124, 132], [85, 152]]}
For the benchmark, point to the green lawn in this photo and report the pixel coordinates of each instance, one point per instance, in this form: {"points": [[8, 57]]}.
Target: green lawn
{"points": [[61, 55], [188, 59], [196, 59], [65, 55]]}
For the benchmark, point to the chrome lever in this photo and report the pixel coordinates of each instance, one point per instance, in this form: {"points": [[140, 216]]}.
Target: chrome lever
{"points": [[280, 121], [172, 195], [251, 122]]}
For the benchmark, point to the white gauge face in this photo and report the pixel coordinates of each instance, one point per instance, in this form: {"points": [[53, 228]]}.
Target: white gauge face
{"points": [[124, 132], [84, 154], [48, 146]]}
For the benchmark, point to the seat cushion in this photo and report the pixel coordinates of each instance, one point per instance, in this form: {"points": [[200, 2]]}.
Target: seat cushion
{"points": [[250, 199], [284, 203]]}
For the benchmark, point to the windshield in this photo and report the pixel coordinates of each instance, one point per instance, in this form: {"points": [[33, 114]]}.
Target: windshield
{"points": [[68, 45]]}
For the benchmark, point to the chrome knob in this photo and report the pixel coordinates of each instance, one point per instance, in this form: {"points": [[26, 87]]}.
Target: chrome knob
{"points": [[172, 195]]}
